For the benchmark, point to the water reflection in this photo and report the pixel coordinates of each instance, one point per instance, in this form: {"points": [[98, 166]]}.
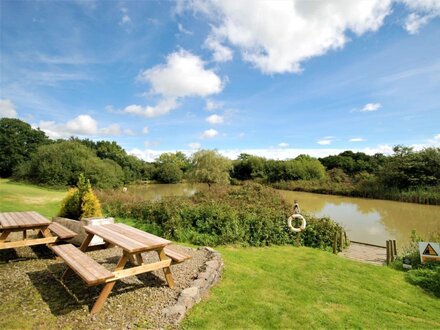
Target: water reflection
{"points": [[369, 220]]}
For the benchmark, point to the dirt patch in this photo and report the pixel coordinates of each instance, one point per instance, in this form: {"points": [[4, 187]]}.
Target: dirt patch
{"points": [[33, 296]]}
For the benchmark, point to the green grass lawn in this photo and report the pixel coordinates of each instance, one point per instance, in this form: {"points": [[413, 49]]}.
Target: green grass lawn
{"points": [[21, 197], [283, 287], [288, 287]]}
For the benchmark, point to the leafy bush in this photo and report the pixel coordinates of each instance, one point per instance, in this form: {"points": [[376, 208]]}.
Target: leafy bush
{"points": [[250, 214], [80, 202], [428, 279]]}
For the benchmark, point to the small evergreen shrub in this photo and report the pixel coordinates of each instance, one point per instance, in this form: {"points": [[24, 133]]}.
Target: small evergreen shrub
{"points": [[80, 202]]}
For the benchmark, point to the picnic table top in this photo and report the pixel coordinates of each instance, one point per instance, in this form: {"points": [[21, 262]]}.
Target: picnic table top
{"points": [[130, 239], [22, 220]]}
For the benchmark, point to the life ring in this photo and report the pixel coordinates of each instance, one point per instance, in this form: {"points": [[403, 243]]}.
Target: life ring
{"points": [[303, 223]]}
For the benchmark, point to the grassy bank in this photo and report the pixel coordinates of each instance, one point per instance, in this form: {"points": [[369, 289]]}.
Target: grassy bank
{"points": [[287, 287], [22, 197], [426, 195]]}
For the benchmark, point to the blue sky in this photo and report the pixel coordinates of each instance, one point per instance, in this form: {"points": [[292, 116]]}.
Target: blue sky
{"points": [[272, 78]]}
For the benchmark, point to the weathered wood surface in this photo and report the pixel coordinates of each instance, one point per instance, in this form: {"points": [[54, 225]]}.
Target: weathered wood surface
{"points": [[366, 253], [61, 231], [88, 269], [22, 220]]}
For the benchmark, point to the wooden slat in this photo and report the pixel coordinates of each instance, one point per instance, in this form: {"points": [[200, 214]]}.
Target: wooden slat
{"points": [[89, 270], [152, 241], [22, 220], [61, 231], [120, 274], [28, 242], [117, 239], [177, 256], [156, 239]]}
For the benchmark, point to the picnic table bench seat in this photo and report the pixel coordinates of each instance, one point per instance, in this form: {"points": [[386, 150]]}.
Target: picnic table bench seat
{"points": [[177, 256], [89, 270], [61, 231]]}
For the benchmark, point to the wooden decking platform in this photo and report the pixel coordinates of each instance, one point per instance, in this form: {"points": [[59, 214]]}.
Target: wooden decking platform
{"points": [[366, 253]]}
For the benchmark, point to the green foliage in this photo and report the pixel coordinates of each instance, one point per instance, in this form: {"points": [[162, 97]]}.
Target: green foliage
{"points": [[428, 279], [80, 202], [178, 158], [18, 140], [208, 166], [409, 169], [250, 214], [168, 173], [59, 164]]}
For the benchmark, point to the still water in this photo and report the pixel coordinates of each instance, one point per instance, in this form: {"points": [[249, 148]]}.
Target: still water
{"points": [[366, 220], [370, 220]]}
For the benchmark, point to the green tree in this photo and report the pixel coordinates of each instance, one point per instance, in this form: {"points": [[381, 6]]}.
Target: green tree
{"points": [[18, 140], [61, 163], [208, 166], [169, 173]]}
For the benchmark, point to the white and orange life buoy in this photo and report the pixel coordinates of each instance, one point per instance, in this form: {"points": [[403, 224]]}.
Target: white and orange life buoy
{"points": [[303, 223]]}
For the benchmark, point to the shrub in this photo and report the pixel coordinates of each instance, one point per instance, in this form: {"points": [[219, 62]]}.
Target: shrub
{"points": [[250, 214], [169, 173], [428, 279], [80, 202]]}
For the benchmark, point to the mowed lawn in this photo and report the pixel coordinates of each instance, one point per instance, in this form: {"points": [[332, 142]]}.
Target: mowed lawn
{"points": [[281, 287], [287, 287], [22, 197]]}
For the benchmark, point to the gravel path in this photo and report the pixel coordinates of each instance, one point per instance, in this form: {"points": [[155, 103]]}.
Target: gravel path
{"points": [[32, 295]]}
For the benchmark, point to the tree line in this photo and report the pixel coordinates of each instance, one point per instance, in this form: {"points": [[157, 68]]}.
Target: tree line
{"points": [[28, 154]]}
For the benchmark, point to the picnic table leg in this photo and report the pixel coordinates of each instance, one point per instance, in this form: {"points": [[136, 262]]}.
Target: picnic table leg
{"points": [[4, 235], [86, 243], [139, 259], [24, 234], [108, 287], [166, 270]]}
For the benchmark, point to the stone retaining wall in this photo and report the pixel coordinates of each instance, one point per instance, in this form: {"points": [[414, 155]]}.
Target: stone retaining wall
{"points": [[199, 288]]}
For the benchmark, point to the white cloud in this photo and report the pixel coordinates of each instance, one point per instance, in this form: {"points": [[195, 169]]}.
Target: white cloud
{"points": [[210, 133], [215, 119], [357, 140], [162, 108], [220, 52], [183, 75], [283, 145], [369, 107], [129, 132], [277, 36], [194, 145], [414, 22], [125, 19], [183, 30], [7, 109], [324, 142], [423, 11], [213, 105], [437, 137], [145, 130], [83, 125]]}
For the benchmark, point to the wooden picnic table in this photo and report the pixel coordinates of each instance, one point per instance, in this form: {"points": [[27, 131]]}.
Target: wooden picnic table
{"points": [[22, 222], [133, 242]]}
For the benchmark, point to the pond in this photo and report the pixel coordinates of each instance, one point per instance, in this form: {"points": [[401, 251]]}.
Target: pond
{"points": [[366, 220], [371, 220]]}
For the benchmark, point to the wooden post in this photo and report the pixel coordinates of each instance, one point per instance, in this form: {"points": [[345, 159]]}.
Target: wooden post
{"points": [[335, 244], [394, 249], [389, 252], [298, 239], [341, 239]]}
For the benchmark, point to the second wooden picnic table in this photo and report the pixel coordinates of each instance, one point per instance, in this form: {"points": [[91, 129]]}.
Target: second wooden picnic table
{"points": [[133, 242]]}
